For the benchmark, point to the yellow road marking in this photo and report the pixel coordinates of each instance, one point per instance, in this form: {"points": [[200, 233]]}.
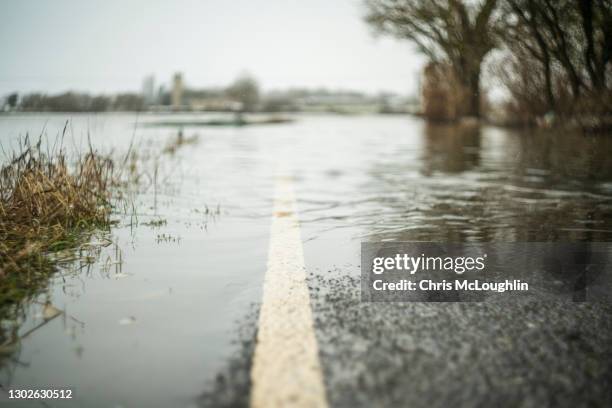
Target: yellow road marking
{"points": [[286, 371]]}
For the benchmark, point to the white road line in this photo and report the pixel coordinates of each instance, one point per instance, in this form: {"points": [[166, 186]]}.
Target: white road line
{"points": [[286, 371]]}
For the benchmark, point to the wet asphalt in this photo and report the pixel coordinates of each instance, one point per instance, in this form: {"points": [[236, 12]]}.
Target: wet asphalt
{"points": [[527, 354], [542, 353], [461, 354]]}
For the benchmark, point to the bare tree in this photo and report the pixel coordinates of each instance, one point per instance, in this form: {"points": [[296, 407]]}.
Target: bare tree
{"points": [[452, 31], [571, 40], [246, 91], [526, 41]]}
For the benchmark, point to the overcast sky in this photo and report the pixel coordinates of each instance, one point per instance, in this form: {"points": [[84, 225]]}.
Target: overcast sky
{"points": [[111, 45]]}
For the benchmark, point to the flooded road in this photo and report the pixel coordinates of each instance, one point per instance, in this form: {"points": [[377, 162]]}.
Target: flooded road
{"points": [[153, 321]]}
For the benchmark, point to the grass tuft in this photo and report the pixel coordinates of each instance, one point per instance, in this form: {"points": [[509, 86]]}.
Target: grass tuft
{"points": [[47, 204]]}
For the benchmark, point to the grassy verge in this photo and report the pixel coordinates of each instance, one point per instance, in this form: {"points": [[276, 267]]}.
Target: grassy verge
{"points": [[48, 203]]}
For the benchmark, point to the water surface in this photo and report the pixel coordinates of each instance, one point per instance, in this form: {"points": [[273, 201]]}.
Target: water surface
{"points": [[153, 320]]}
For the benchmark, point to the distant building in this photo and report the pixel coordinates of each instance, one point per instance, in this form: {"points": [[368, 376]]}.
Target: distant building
{"points": [[189, 99], [148, 90], [176, 99], [208, 100]]}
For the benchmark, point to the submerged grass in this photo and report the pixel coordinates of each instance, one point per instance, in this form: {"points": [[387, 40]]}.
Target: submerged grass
{"points": [[175, 143], [48, 204], [56, 212]]}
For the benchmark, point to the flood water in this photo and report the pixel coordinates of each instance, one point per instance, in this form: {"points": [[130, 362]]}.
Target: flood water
{"points": [[153, 320]]}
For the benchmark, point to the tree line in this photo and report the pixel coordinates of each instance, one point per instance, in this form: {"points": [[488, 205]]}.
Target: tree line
{"points": [[554, 58], [76, 102]]}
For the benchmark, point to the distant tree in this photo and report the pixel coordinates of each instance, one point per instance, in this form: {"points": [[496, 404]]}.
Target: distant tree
{"points": [[67, 102], [460, 33], [246, 91], [32, 102], [99, 103], [64, 102], [163, 96], [128, 102], [80, 102], [11, 100]]}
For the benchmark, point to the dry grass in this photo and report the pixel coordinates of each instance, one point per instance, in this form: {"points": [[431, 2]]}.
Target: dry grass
{"points": [[47, 204]]}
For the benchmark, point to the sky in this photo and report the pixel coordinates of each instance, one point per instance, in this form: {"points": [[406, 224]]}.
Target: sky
{"points": [[107, 46]]}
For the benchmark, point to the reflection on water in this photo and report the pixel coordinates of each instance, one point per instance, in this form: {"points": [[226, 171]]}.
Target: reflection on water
{"points": [[168, 316], [450, 149], [100, 257], [492, 185]]}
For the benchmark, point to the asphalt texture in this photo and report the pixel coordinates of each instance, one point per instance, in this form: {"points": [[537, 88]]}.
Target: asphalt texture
{"points": [[461, 354], [529, 354]]}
